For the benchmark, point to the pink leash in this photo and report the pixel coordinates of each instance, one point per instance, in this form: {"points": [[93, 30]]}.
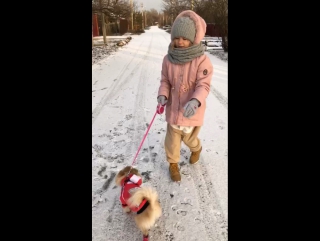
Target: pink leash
{"points": [[160, 110]]}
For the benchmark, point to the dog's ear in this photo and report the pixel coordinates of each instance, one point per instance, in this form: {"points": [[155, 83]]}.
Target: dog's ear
{"points": [[135, 171], [124, 171], [122, 174]]}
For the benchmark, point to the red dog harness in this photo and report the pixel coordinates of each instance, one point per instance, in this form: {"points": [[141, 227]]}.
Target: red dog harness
{"points": [[131, 182]]}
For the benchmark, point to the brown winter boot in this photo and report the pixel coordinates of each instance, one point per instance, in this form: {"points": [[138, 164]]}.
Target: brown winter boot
{"points": [[194, 158], [174, 172]]}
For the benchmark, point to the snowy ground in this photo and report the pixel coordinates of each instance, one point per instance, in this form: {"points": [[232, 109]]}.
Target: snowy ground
{"points": [[100, 52], [124, 91], [220, 54]]}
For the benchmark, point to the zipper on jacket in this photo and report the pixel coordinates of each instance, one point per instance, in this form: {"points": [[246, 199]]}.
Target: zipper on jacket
{"points": [[180, 82]]}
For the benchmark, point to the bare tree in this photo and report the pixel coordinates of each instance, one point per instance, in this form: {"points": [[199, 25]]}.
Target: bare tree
{"points": [[172, 8], [152, 16], [112, 8], [110, 11], [220, 15]]}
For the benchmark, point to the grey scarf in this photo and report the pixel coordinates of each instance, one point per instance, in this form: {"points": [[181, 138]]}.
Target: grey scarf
{"points": [[184, 55]]}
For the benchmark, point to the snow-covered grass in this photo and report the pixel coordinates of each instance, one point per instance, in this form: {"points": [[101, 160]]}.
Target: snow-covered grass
{"points": [[220, 54], [101, 52]]}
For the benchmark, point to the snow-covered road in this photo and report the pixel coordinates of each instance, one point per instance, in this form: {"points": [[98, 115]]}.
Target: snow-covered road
{"points": [[124, 92]]}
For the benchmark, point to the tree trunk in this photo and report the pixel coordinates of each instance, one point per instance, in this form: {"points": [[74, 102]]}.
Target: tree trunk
{"points": [[103, 25]]}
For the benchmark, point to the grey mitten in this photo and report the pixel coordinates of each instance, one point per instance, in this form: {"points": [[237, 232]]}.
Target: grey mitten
{"points": [[162, 100], [191, 108]]}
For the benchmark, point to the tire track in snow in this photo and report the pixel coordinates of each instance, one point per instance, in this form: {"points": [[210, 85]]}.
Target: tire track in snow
{"points": [[191, 204], [223, 100], [177, 203], [164, 229], [117, 219], [215, 224], [165, 48], [117, 85], [138, 121]]}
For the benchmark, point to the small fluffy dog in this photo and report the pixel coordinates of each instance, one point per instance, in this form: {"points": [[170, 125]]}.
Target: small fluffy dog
{"points": [[143, 200]]}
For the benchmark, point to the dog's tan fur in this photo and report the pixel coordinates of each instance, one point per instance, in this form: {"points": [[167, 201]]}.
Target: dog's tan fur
{"points": [[148, 217]]}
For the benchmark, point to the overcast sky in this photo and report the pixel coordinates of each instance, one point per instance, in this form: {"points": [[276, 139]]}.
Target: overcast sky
{"points": [[148, 4]]}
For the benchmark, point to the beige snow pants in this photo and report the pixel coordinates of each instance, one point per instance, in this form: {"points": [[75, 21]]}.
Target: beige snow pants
{"points": [[172, 142]]}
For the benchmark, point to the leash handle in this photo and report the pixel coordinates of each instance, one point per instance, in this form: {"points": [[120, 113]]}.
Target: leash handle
{"points": [[160, 110]]}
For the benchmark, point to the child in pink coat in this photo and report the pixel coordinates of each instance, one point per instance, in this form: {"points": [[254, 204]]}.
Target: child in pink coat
{"points": [[185, 84]]}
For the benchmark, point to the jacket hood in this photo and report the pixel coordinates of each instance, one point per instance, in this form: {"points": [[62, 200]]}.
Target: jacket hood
{"points": [[200, 24]]}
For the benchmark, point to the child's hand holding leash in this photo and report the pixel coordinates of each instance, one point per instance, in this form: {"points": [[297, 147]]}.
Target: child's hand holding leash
{"points": [[162, 101]]}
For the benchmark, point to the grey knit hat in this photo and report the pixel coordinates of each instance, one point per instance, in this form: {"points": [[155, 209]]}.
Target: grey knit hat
{"points": [[183, 27]]}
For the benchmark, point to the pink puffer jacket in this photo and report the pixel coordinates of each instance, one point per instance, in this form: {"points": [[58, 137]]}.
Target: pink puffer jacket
{"points": [[180, 83]]}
